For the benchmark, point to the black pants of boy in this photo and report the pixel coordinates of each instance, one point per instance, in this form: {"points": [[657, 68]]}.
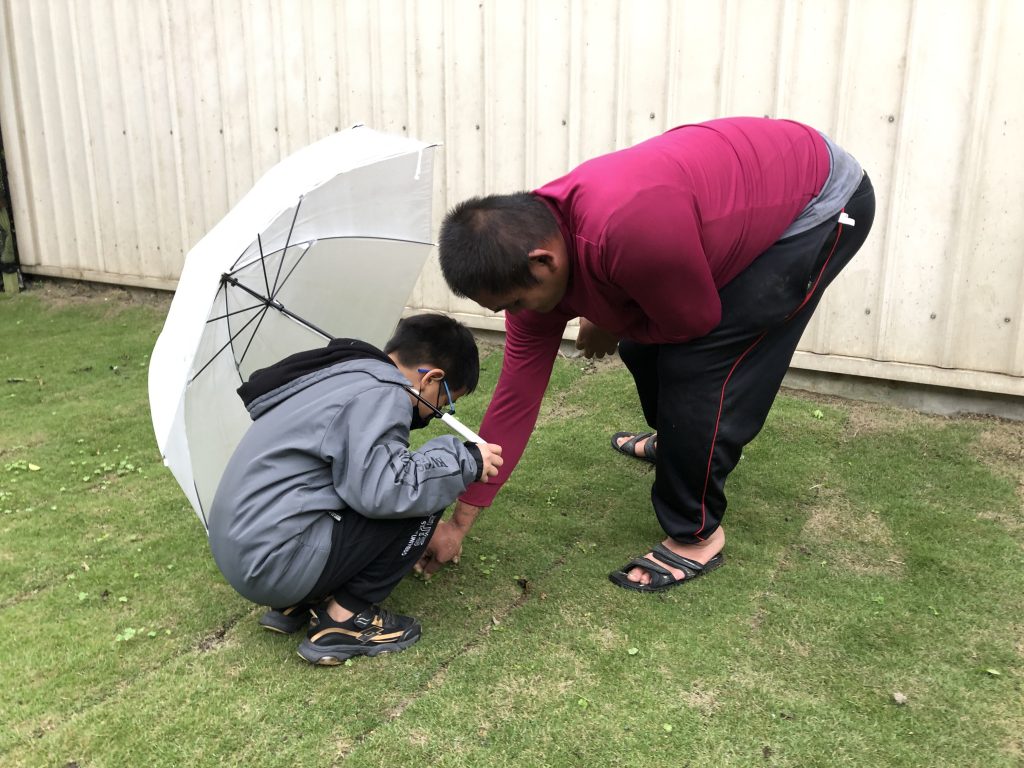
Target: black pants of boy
{"points": [[370, 556], [709, 397]]}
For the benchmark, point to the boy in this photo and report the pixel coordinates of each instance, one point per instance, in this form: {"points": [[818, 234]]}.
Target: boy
{"points": [[323, 508]]}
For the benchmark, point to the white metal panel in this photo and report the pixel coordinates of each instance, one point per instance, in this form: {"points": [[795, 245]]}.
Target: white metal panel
{"points": [[130, 128]]}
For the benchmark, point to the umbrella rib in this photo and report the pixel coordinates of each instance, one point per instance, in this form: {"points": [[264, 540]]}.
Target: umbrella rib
{"points": [[290, 271], [252, 337], [287, 242], [376, 238], [263, 262], [236, 312], [230, 341]]}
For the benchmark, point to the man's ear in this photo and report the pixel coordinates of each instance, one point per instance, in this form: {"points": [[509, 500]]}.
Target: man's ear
{"points": [[542, 259]]}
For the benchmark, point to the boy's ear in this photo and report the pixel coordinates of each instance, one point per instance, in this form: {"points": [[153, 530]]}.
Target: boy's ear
{"points": [[429, 374]]}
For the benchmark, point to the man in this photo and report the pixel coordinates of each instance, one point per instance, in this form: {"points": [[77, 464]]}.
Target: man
{"points": [[701, 254]]}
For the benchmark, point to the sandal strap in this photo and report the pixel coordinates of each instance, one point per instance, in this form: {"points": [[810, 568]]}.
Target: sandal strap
{"points": [[659, 575], [651, 446], [629, 446], [690, 567]]}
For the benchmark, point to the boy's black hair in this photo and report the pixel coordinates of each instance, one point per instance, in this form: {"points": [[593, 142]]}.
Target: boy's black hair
{"points": [[442, 342], [484, 242]]}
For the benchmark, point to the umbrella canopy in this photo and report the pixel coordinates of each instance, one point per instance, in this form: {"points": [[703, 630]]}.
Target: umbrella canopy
{"points": [[328, 243]]}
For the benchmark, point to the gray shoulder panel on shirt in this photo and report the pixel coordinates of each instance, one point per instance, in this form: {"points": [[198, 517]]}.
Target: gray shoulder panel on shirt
{"points": [[844, 177]]}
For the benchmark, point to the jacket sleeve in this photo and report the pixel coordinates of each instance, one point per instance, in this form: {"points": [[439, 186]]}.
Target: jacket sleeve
{"points": [[374, 471], [531, 344]]}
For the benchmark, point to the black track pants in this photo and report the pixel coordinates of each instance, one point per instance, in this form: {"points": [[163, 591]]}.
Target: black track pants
{"points": [[709, 397], [370, 556]]}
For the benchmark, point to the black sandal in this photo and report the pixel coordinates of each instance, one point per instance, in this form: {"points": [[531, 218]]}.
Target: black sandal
{"points": [[662, 578], [629, 447]]}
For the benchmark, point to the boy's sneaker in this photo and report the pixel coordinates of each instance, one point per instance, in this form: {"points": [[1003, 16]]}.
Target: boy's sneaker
{"points": [[287, 620], [375, 630]]}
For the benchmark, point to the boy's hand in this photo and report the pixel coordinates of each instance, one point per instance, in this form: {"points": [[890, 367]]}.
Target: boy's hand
{"points": [[491, 455], [594, 341]]}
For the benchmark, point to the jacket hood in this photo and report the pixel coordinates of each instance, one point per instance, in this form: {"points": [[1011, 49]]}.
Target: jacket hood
{"points": [[268, 386]]}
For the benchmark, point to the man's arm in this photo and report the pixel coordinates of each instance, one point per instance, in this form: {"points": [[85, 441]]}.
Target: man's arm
{"points": [[531, 344]]}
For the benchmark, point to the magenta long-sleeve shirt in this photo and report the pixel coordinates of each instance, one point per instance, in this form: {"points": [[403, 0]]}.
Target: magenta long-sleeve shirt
{"points": [[652, 233]]}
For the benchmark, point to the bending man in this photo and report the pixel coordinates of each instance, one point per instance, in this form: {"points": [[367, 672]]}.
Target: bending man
{"points": [[701, 255]]}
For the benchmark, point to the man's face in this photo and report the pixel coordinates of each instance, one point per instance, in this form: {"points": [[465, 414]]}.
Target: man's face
{"points": [[551, 270]]}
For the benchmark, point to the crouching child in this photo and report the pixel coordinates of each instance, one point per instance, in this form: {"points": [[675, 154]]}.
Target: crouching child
{"points": [[323, 508]]}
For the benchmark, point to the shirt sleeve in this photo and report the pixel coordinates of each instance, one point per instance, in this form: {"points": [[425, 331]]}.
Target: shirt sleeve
{"points": [[655, 255], [531, 344]]}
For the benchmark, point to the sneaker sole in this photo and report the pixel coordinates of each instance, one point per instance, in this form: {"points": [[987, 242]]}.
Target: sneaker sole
{"points": [[332, 657], [283, 628]]}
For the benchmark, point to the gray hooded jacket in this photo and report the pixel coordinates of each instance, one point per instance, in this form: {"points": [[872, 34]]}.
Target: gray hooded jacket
{"points": [[335, 439]]}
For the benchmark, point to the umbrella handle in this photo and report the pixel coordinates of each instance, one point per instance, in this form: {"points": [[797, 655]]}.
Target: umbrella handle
{"points": [[457, 426]]}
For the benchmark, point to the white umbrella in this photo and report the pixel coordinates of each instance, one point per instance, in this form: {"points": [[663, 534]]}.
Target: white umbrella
{"points": [[328, 243]]}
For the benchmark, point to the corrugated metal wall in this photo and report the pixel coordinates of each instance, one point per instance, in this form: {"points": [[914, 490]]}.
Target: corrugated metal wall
{"points": [[131, 126]]}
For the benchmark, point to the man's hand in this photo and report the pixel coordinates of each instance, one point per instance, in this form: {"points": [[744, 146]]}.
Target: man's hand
{"points": [[445, 545], [594, 341], [491, 455]]}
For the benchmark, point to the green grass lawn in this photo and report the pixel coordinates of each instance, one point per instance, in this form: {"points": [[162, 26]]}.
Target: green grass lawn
{"points": [[871, 611]]}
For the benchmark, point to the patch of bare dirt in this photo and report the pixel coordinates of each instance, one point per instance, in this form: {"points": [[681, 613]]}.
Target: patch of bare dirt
{"points": [[594, 364], [700, 698], [1000, 447], [59, 293], [866, 418], [859, 541]]}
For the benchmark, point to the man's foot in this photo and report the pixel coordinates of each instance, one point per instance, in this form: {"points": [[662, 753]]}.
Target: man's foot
{"points": [[641, 445], [286, 620], [703, 554], [375, 630]]}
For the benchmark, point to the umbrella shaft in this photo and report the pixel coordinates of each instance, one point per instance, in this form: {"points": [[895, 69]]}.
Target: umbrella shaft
{"points": [[276, 305]]}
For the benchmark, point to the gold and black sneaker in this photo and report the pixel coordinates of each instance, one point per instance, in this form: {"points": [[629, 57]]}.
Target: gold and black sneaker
{"points": [[375, 630], [287, 620]]}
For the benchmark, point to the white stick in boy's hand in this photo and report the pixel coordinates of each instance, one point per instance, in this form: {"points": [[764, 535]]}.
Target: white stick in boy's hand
{"points": [[461, 429]]}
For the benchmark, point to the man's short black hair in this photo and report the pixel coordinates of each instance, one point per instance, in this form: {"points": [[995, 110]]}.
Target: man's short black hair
{"points": [[485, 241], [442, 342]]}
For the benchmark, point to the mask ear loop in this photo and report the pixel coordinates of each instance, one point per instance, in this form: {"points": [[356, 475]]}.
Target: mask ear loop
{"points": [[416, 393], [454, 424]]}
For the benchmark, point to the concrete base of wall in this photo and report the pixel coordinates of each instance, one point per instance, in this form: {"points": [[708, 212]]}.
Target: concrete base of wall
{"points": [[943, 401]]}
